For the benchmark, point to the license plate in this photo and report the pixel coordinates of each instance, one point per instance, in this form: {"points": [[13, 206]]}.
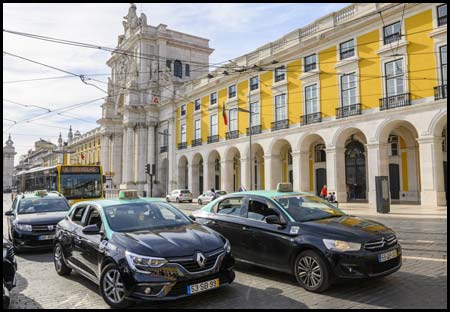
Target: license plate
{"points": [[196, 288], [46, 237], [388, 255]]}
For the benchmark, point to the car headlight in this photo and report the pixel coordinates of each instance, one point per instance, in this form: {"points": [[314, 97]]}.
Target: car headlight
{"points": [[227, 246], [138, 262], [24, 227], [338, 245]]}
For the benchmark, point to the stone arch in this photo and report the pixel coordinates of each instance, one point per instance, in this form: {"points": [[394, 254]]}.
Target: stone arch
{"points": [[232, 169], [214, 170], [438, 124], [281, 167], [313, 170], [343, 133]]}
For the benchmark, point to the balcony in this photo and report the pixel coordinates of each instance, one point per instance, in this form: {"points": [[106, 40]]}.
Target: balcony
{"points": [[232, 134], [347, 54], [182, 145], [163, 149], [349, 110], [395, 101], [310, 118], [280, 124], [255, 130], [213, 138], [309, 67], [392, 38], [440, 92], [196, 142], [442, 20]]}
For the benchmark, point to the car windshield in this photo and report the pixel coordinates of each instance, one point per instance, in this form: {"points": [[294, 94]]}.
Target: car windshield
{"points": [[185, 192], [37, 205], [308, 208], [144, 216]]}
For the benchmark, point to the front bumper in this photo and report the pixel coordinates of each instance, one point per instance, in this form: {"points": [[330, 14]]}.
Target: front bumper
{"points": [[364, 264], [170, 282], [30, 240]]}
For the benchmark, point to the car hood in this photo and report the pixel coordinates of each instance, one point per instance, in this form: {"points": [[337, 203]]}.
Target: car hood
{"points": [[171, 242], [346, 227], [42, 217]]}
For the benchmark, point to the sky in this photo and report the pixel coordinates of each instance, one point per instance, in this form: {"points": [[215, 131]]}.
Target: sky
{"points": [[234, 29]]}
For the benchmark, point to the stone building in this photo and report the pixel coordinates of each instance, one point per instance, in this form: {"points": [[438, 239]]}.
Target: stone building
{"points": [[85, 149], [8, 164]]}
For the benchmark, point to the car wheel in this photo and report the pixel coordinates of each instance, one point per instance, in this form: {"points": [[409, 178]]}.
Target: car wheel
{"points": [[167, 199], [178, 200], [199, 201], [60, 264], [6, 298], [312, 272], [190, 201], [112, 288]]}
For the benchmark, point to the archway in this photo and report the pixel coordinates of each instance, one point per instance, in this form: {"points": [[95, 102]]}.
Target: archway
{"points": [[355, 170], [183, 173], [232, 174], [312, 164], [214, 170], [281, 163], [257, 175]]}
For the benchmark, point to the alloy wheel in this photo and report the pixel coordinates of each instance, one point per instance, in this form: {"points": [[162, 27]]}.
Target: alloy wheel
{"points": [[58, 258], [113, 287], [309, 272]]}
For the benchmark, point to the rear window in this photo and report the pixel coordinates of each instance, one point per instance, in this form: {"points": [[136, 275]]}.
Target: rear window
{"points": [[185, 192], [37, 205]]}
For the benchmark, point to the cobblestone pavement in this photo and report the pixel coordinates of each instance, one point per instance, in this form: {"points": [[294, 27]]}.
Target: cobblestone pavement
{"points": [[420, 283]]}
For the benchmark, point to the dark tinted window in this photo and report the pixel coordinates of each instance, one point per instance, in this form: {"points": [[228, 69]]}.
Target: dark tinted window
{"points": [[258, 210], [36, 205], [230, 206], [94, 218], [78, 214], [185, 192]]}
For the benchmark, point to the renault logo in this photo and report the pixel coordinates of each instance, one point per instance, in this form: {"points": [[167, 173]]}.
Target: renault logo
{"points": [[201, 260]]}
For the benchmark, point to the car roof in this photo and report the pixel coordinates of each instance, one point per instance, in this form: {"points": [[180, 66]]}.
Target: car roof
{"points": [[116, 201], [269, 193], [49, 195]]}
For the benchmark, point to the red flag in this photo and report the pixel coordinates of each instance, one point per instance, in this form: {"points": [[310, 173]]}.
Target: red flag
{"points": [[224, 114], [82, 156]]}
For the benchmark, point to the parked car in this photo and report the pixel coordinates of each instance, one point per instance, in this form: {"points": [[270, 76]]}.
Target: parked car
{"points": [[9, 271], [304, 235], [208, 196], [141, 249], [33, 217], [179, 196]]}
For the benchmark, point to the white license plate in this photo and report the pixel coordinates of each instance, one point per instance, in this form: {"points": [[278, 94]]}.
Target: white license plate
{"points": [[46, 237], [196, 288], [388, 255]]}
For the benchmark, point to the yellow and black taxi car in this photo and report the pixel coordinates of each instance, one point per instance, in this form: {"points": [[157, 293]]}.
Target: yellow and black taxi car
{"points": [[141, 249]]}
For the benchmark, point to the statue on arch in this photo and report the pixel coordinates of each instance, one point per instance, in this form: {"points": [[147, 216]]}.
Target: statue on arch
{"points": [[132, 20]]}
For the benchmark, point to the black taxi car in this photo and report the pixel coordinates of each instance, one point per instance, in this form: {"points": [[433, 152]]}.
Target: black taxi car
{"points": [[141, 249], [302, 234], [33, 217]]}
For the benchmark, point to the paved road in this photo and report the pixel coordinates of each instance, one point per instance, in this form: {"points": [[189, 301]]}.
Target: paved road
{"points": [[420, 283]]}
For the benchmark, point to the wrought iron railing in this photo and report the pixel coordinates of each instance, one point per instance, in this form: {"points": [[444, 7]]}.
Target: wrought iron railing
{"points": [[348, 110], [440, 92], [310, 67], [163, 149], [232, 134], [395, 101], [255, 130], [392, 38], [213, 138], [182, 145], [280, 124], [347, 53], [442, 20], [196, 142], [310, 118]]}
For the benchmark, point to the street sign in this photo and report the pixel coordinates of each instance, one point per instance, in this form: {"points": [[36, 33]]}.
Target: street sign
{"points": [[155, 99]]}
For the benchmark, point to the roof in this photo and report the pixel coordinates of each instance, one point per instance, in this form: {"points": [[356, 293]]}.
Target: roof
{"points": [[115, 201]]}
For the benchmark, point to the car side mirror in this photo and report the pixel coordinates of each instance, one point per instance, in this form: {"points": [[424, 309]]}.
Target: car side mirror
{"points": [[9, 213], [91, 229], [275, 220], [192, 217]]}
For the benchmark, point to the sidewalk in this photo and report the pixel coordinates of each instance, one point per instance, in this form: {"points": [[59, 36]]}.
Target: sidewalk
{"points": [[397, 210]]}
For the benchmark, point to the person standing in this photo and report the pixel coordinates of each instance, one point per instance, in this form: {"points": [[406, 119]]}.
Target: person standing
{"points": [[323, 192]]}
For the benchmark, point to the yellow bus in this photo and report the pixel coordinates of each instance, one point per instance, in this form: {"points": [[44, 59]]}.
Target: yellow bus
{"points": [[75, 182]]}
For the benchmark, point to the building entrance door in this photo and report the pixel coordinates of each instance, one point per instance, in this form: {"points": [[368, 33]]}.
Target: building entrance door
{"points": [[321, 179], [394, 180], [355, 170]]}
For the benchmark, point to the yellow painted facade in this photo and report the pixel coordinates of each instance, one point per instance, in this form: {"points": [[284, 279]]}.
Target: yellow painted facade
{"points": [[205, 118], [266, 102], [329, 100], [91, 149], [222, 96], [295, 100], [189, 123], [242, 92]]}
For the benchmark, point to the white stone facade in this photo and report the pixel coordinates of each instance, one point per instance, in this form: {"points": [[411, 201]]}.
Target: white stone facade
{"points": [[8, 164]]}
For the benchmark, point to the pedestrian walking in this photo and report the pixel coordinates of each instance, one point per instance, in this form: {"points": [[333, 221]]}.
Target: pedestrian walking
{"points": [[323, 192], [214, 195]]}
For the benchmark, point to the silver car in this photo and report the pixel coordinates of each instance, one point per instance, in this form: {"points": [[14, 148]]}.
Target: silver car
{"points": [[179, 196], [208, 196]]}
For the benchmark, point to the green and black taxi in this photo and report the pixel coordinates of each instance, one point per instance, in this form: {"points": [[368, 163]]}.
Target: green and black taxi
{"points": [[302, 234], [33, 217], [139, 248]]}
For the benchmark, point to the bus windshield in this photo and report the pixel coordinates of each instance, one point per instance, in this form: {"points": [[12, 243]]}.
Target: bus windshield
{"points": [[81, 185]]}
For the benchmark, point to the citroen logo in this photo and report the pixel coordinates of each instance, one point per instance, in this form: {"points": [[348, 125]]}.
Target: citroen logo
{"points": [[201, 260], [50, 227], [382, 242]]}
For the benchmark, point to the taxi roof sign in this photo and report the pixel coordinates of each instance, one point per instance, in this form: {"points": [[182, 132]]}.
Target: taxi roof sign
{"points": [[40, 193], [128, 194], [285, 187]]}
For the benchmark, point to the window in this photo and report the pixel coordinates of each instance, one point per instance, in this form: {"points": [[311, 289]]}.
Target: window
{"points": [[213, 98], [319, 153], [347, 49], [280, 73], [183, 133], [94, 218], [392, 33], [177, 69], [168, 63], [187, 70], [258, 210], [78, 214], [197, 132], [230, 206], [348, 89], [393, 140], [213, 130], [183, 109], [310, 63], [443, 56], [233, 119], [254, 83], [394, 78], [442, 14], [197, 104], [165, 138], [280, 107], [255, 115], [231, 91], [311, 99]]}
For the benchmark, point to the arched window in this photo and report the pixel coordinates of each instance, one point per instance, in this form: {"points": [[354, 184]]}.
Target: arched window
{"points": [[319, 153], [393, 140], [178, 69]]}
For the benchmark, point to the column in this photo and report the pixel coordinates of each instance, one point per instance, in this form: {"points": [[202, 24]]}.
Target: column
{"points": [[116, 165], [413, 173], [129, 157], [336, 172], [192, 179], [272, 171], [226, 176], [431, 172], [208, 175], [141, 176], [124, 155], [377, 165], [245, 172], [105, 153], [173, 172], [150, 159]]}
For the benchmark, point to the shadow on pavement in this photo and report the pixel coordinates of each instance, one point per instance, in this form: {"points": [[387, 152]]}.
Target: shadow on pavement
{"points": [[44, 255], [18, 299]]}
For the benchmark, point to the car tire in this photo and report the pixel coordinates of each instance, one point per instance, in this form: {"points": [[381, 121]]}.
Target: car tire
{"points": [[178, 200], [167, 199], [58, 259], [312, 272], [199, 201], [110, 279], [6, 297], [190, 201]]}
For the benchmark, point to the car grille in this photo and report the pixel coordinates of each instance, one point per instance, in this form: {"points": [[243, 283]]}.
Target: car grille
{"points": [[43, 228], [385, 266], [180, 288], [191, 265], [381, 243]]}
